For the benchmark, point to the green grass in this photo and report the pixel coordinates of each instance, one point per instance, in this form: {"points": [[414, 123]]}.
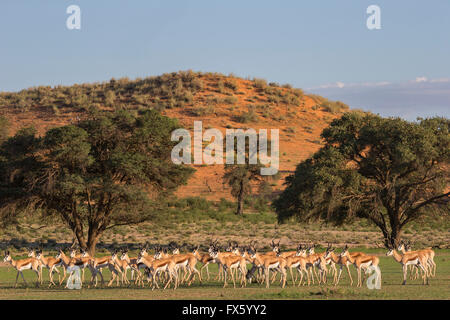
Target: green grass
{"points": [[439, 287]]}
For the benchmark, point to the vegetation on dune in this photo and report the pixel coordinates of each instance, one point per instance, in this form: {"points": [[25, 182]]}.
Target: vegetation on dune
{"points": [[334, 106], [195, 90], [387, 170], [246, 117], [96, 174], [3, 129], [168, 90], [328, 105], [260, 83]]}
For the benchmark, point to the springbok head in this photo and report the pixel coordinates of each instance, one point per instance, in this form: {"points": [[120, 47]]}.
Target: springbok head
{"points": [[344, 252], [7, 256]]}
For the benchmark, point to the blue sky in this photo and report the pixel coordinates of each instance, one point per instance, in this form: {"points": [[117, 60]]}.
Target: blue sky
{"points": [[321, 46]]}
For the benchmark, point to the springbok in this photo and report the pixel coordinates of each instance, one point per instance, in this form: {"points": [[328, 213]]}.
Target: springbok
{"points": [[23, 264], [415, 258], [360, 262]]}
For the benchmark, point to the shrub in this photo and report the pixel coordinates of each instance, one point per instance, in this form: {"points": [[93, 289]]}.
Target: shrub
{"points": [[231, 84], [246, 117], [290, 130], [316, 98], [291, 99], [203, 111], [266, 114], [110, 98], [221, 86], [55, 110], [298, 92], [230, 100], [224, 204], [260, 83], [273, 91], [198, 203], [334, 106], [158, 106], [213, 100], [196, 85], [4, 128], [186, 96], [273, 99], [139, 99], [171, 103], [82, 100], [262, 107]]}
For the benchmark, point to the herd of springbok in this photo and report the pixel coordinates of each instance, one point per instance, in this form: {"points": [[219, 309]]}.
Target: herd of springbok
{"points": [[175, 268]]}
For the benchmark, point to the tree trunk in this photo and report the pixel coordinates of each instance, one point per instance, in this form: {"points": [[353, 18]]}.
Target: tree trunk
{"points": [[240, 207], [93, 237], [80, 237], [395, 235], [81, 241], [395, 226], [391, 235], [92, 243], [73, 220], [387, 242]]}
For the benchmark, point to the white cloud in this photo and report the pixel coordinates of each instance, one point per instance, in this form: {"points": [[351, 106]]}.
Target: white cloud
{"points": [[421, 97], [341, 85], [440, 80], [421, 79]]}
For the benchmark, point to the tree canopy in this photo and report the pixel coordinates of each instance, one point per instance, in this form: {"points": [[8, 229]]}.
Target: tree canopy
{"points": [[102, 172], [387, 170]]}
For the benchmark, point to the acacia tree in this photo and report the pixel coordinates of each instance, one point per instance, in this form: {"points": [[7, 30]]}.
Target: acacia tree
{"points": [[389, 171], [16, 152], [240, 178], [100, 173]]}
